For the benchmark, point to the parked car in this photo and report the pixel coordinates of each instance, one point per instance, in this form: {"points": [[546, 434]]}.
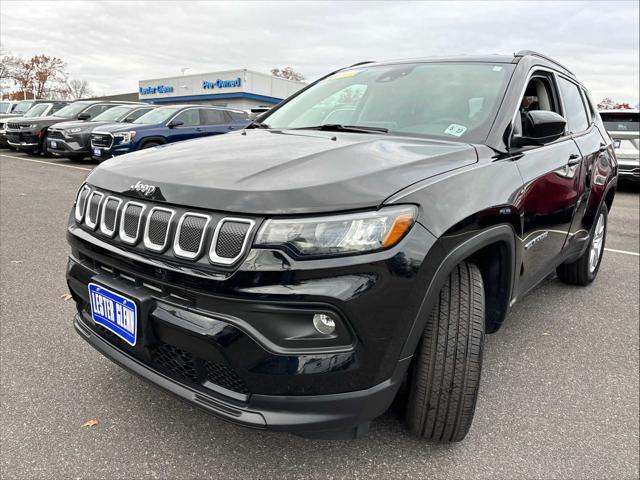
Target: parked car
{"points": [[295, 275], [38, 108], [73, 139], [16, 108], [624, 128], [165, 125], [29, 133], [7, 106]]}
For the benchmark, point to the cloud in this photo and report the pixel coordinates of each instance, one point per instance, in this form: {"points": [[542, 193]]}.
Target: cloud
{"points": [[115, 44]]}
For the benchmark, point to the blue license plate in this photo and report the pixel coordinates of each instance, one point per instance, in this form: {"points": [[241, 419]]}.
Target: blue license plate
{"points": [[97, 152], [114, 312]]}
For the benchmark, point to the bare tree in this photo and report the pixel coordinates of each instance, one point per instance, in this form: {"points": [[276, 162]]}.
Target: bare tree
{"points": [[287, 73], [78, 89], [46, 71]]}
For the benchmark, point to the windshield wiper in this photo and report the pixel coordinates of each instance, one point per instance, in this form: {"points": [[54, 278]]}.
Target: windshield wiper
{"points": [[257, 125], [337, 127]]}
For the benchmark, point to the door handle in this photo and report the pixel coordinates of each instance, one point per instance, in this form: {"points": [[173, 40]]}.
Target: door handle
{"points": [[198, 129], [574, 159]]}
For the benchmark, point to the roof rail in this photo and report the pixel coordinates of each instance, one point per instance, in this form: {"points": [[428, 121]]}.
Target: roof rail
{"points": [[523, 53]]}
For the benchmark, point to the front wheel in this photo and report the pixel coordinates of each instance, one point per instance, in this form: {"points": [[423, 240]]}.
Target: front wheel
{"points": [[446, 369], [584, 270]]}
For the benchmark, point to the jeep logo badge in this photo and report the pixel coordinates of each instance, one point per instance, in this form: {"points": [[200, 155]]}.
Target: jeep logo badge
{"points": [[144, 189]]}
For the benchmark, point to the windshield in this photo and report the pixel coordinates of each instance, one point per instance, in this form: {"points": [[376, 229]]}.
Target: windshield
{"points": [[22, 107], [114, 114], [72, 110], [37, 110], [4, 107], [445, 100], [621, 122], [159, 115]]}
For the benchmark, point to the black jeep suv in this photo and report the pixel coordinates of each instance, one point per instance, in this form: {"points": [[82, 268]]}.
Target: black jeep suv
{"points": [[29, 134], [362, 235]]}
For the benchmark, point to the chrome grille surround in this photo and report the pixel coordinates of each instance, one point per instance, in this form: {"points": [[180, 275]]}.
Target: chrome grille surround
{"points": [[131, 240], [177, 249], [81, 202], [147, 240], [214, 257], [104, 228], [89, 222]]}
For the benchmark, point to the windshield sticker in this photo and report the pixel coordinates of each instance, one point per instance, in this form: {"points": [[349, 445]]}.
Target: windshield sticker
{"points": [[455, 130], [347, 73]]}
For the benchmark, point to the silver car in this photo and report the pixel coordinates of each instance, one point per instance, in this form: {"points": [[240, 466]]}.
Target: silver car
{"points": [[624, 128]]}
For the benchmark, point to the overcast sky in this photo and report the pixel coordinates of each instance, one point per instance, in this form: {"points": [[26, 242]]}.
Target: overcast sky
{"points": [[114, 44]]}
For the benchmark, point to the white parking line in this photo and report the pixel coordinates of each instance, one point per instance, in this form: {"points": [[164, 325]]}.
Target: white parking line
{"points": [[622, 251], [47, 163]]}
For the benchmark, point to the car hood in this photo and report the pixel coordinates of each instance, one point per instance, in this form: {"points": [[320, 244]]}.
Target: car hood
{"points": [[282, 172], [126, 127], [4, 116], [43, 121], [78, 123]]}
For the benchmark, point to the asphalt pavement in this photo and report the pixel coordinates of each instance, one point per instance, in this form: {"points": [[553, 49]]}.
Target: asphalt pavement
{"points": [[559, 395]]}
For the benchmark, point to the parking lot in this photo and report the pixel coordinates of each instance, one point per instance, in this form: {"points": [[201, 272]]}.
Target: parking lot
{"points": [[559, 396]]}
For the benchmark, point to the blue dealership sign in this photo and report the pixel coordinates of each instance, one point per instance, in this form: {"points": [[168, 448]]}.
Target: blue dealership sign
{"points": [[157, 89], [219, 83]]}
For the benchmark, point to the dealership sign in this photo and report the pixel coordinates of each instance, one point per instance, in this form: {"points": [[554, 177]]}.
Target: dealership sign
{"points": [[157, 89], [206, 84]]}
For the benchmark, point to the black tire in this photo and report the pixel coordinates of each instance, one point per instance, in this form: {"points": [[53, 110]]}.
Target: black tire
{"points": [[446, 368], [582, 272], [149, 145]]}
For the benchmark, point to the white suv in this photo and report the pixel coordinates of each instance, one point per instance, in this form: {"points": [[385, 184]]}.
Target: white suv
{"points": [[624, 128]]}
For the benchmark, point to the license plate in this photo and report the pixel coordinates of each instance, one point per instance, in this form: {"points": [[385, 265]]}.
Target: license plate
{"points": [[97, 152], [54, 144], [114, 312], [616, 144]]}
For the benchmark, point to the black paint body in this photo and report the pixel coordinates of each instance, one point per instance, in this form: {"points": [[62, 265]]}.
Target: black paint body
{"points": [[483, 202]]}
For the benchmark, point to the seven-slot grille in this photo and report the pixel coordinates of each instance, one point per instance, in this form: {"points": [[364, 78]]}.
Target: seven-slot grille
{"points": [[165, 230], [103, 140], [15, 126]]}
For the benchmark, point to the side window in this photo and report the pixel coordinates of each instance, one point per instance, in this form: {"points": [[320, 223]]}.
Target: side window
{"points": [[189, 118], [136, 114], [97, 109], [587, 102], [574, 110], [540, 94], [56, 107], [213, 117]]}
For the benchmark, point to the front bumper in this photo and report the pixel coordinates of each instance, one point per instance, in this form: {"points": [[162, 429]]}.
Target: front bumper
{"points": [[225, 320], [64, 147], [304, 414], [23, 140]]}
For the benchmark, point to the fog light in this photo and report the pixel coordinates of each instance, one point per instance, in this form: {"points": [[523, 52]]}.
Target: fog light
{"points": [[324, 323]]}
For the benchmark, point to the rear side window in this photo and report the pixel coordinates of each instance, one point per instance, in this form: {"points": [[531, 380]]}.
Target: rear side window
{"points": [[189, 118], [574, 110], [137, 114], [213, 117], [97, 109], [239, 116], [621, 122]]}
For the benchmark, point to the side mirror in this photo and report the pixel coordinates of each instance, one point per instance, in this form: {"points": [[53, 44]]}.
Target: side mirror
{"points": [[539, 127], [128, 120], [174, 123], [84, 116]]}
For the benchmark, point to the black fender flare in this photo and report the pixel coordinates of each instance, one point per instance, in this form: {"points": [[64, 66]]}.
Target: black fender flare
{"points": [[499, 233]]}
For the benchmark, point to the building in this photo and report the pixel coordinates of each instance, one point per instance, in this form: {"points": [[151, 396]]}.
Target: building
{"points": [[243, 89]]}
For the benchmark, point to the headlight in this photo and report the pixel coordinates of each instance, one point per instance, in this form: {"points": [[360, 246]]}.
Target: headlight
{"points": [[75, 130], [124, 137], [340, 234]]}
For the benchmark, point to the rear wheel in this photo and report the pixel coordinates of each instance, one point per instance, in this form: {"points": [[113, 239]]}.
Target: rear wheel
{"points": [[446, 369], [584, 270]]}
